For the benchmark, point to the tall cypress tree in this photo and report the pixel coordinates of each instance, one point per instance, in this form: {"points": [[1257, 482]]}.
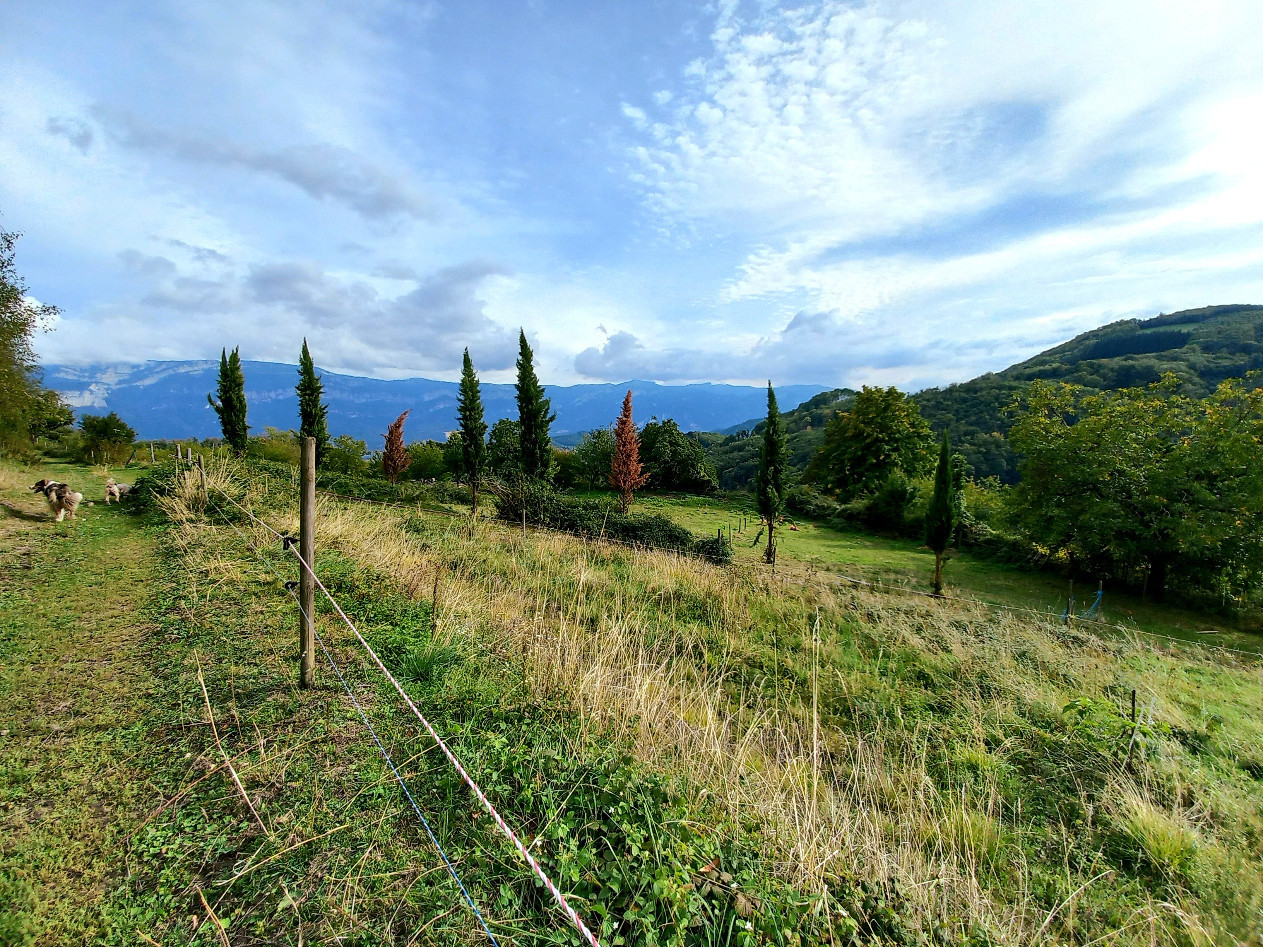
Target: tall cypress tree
{"points": [[533, 416], [313, 414], [940, 517], [770, 480], [473, 429], [231, 406]]}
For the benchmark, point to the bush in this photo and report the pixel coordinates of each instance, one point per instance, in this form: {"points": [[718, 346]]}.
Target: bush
{"points": [[159, 481], [541, 505], [887, 509]]}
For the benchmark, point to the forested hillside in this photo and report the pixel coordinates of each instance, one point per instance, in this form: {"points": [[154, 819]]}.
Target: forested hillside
{"points": [[1201, 347], [735, 454]]}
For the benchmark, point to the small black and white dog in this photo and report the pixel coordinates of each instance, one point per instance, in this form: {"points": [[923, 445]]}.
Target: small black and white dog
{"points": [[61, 499]]}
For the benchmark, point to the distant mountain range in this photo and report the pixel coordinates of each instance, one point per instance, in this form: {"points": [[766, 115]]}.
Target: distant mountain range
{"points": [[167, 399]]}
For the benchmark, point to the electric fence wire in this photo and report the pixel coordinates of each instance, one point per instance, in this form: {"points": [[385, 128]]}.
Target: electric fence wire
{"points": [[570, 912], [360, 710], [486, 803]]}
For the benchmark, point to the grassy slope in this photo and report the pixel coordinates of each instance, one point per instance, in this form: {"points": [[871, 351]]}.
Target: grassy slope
{"points": [[638, 715], [908, 563], [971, 761]]}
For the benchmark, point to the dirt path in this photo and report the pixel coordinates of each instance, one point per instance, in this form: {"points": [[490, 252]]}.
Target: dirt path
{"points": [[73, 692]]}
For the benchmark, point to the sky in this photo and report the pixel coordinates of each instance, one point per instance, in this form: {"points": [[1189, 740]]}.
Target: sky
{"points": [[908, 193]]}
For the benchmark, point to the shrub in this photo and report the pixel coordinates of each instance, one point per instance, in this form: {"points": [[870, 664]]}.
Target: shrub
{"points": [[887, 509], [541, 505]]}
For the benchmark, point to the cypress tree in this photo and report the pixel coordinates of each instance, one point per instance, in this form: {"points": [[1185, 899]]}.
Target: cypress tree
{"points": [[313, 414], [770, 480], [940, 517], [533, 416], [626, 475], [473, 429], [231, 406]]}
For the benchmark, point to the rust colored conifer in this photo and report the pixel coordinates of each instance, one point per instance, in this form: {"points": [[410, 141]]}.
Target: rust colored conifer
{"points": [[625, 474], [395, 459]]}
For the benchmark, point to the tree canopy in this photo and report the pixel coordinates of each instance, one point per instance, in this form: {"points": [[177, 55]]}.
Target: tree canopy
{"points": [[594, 456], [25, 408], [106, 439], [1146, 484], [504, 449], [881, 432], [674, 461]]}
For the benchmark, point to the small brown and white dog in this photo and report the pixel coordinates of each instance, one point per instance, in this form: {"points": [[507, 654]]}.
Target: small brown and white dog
{"points": [[61, 499], [114, 492]]}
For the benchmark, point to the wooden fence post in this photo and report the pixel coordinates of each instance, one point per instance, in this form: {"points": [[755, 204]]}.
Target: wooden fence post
{"points": [[201, 471], [152, 459], [307, 549]]}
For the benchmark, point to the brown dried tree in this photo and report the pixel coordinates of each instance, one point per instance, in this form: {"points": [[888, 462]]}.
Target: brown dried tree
{"points": [[625, 474], [395, 459]]}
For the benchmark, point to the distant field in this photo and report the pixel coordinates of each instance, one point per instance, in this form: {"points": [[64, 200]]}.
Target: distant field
{"points": [[906, 563]]}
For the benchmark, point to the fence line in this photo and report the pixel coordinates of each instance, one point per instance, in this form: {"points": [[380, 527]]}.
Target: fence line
{"points": [[486, 803], [442, 745], [360, 710]]}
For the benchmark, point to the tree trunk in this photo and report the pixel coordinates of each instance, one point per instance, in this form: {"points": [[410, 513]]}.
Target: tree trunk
{"points": [[473, 493], [767, 555], [938, 572]]}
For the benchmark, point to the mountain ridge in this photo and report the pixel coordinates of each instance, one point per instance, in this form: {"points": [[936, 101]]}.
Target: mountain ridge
{"points": [[167, 399]]}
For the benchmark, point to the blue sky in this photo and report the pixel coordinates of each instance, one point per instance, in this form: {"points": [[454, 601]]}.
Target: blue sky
{"points": [[903, 193]]}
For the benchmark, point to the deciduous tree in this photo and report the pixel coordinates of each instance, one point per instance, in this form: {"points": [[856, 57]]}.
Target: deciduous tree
{"points": [[770, 480], [106, 440], [395, 457], [1146, 484], [674, 460], [626, 476], [504, 449], [22, 400], [883, 431], [595, 455]]}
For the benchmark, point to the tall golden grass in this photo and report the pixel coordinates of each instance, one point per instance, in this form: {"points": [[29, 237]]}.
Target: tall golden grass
{"points": [[657, 650]]}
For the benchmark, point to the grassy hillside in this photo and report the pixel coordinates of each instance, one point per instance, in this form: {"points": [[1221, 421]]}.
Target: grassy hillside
{"points": [[806, 548], [1201, 346], [873, 769]]}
